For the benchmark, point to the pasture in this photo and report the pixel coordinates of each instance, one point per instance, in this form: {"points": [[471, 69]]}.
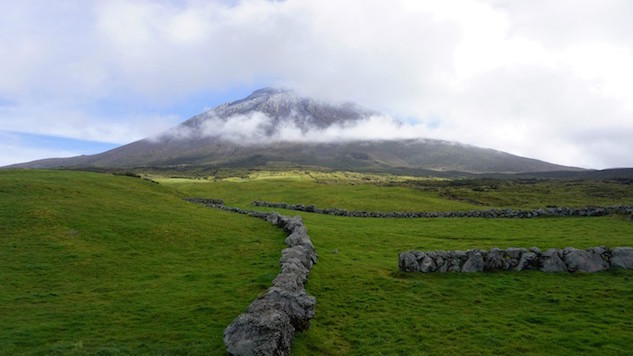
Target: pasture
{"points": [[95, 263]]}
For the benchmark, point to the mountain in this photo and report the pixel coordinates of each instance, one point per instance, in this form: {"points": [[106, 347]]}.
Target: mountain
{"points": [[279, 128]]}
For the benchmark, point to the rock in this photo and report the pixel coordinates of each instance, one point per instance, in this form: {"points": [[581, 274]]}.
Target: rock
{"points": [[495, 260], [622, 257], [294, 222], [266, 333], [583, 261], [299, 306], [515, 253], [273, 218], [298, 237], [427, 265], [289, 281], [551, 262], [335, 251], [529, 260], [454, 265], [474, 263], [302, 253], [408, 262]]}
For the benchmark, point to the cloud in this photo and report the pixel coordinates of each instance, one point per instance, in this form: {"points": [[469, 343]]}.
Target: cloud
{"points": [[543, 78], [257, 127]]}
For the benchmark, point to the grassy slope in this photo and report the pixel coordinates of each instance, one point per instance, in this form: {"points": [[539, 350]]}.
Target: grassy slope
{"points": [[305, 190], [365, 306], [95, 263]]}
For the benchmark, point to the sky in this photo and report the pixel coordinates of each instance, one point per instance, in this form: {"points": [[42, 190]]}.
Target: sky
{"points": [[546, 79]]}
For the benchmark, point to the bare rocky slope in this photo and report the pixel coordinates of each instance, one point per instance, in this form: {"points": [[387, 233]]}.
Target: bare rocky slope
{"points": [[278, 128]]}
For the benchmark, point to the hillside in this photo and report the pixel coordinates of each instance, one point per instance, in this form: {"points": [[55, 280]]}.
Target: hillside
{"points": [[101, 264], [278, 128]]}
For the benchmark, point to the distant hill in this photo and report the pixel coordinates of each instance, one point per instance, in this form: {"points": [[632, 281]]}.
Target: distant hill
{"points": [[278, 128]]}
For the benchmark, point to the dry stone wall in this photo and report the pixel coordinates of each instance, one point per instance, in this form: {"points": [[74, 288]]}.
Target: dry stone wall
{"points": [[489, 213], [268, 325], [594, 259]]}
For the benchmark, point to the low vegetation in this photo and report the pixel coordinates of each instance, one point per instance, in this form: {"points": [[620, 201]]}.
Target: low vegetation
{"points": [[100, 264], [95, 263]]}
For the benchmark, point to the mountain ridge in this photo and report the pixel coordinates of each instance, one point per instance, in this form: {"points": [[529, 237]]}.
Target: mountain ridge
{"points": [[279, 126]]}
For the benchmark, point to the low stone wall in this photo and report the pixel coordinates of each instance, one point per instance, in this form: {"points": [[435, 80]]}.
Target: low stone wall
{"points": [[489, 213], [593, 259], [268, 325]]}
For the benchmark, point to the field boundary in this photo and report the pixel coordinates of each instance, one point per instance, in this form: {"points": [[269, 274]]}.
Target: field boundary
{"points": [[268, 325], [594, 259], [488, 214]]}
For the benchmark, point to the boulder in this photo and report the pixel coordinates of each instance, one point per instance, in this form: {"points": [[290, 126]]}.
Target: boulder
{"points": [[427, 265], [529, 260], [294, 222], [551, 262], [299, 252], [454, 265], [474, 263], [408, 263], [299, 306], [622, 257], [583, 261], [266, 333], [494, 260]]}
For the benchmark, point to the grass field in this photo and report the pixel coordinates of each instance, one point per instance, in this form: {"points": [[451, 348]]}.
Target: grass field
{"points": [[96, 263], [92, 263]]}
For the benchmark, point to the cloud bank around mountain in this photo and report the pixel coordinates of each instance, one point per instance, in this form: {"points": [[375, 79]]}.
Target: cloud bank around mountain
{"points": [[549, 79]]}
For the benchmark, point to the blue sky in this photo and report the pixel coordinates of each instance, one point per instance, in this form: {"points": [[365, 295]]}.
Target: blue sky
{"points": [[547, 79]]}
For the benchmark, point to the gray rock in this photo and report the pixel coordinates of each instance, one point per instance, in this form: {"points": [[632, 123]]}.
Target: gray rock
{"points": [[494, 260], [291, 282], [529, 260], [474, 263], [454, 265], [515, 253], [293, 223], [266, 333], [302, 253], [299, 306], [551, 262], [583, 261], [408, 262], [622, 257], [427, 265]]}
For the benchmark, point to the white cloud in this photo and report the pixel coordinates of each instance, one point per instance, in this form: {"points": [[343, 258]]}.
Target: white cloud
{"points": [[549, 79]]}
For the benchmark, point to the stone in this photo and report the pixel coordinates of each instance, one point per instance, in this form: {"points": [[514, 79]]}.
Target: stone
{"points": [[551, 262], [294, 222], [495, 260], [299, 306], [427, 265], [622, 257], [583, 261], [302, 253], [474, 263], [291, 282], [454, 265], [529, 260], [298, 238], [266, 333], [515, 253], [408, 262]]}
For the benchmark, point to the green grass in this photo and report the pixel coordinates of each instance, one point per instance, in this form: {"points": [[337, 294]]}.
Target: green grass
{"points": [[352, 195], [354, 191], [364, 305], [91, 263], [538, 193]]}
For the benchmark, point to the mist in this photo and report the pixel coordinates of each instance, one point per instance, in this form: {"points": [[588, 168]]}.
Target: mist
{"points": [[258, 128]]}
